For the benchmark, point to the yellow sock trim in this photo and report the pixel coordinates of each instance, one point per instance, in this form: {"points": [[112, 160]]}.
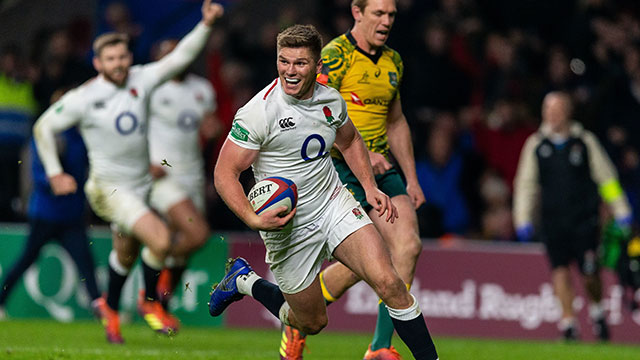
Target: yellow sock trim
{"points": [[325, 292], [408, 288]]}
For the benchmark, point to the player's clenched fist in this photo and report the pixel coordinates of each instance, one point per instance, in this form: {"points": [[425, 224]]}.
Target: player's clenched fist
{"points": [[63, 184], [211, 12]]}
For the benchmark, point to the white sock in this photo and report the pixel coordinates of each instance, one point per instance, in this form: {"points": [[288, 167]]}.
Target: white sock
{"points": [[116, 265], [175, 261], [245, 283], [151, 260], [284, 314], [407, 314], [566, 323]]}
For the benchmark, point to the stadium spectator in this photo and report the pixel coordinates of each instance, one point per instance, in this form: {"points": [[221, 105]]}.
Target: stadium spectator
{"points": [[62, 218], [17, 108], [564, 170], [58, 68], [500, 134], [442, 170]]}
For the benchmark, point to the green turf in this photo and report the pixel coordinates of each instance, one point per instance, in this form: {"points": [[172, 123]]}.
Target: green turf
{"points": [[44, 339]]}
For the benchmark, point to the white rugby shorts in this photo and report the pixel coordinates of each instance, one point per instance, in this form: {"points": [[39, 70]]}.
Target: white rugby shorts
{"points": [[122, 205], [165, 193], [296, 256]]}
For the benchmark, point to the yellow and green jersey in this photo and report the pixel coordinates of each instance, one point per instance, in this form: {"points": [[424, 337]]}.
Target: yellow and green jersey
{"points": [[368, 84]]}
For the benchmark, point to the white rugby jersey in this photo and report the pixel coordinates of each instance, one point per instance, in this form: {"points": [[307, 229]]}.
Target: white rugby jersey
{"points": [[294, 138], [175, 113], [113, 120]]}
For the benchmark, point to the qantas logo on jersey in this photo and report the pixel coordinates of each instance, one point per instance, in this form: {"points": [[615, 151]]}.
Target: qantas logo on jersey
{"points": [[376, 101], [356, 99], [286, 123]]}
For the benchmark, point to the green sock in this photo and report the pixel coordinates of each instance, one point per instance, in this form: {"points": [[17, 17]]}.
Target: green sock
{"points": [[384, 329]]}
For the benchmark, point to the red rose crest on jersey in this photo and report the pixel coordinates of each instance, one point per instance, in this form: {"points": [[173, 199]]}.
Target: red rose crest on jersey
{"points": [[134, 92], [199, 97], [327, 114], [356, 99], [357, 213]]}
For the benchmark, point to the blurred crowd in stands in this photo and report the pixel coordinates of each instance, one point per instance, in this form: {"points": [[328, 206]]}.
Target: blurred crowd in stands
{"points": [[475, 75]]}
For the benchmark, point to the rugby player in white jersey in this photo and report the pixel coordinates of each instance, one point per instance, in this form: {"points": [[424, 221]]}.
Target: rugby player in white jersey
{"points": [[111, 113], [180, 111], [328, 221]]}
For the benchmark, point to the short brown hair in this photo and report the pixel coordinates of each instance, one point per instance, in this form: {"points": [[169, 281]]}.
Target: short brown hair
{"points": [[361, 4], [298, 36], [109, 39]]}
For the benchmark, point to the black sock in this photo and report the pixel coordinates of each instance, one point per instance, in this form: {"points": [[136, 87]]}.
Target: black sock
{"points": [[150, 281], [269, 295], [116, 282], [176, 275], [416, 336]]}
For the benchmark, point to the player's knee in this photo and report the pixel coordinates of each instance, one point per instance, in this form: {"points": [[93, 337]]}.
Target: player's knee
{"points": [[161, 247], [314, 325], [389, 286], [412, 248], [197, 237], [200, 236]]}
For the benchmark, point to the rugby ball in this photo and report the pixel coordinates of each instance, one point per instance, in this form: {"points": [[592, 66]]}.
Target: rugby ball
{"points": [[272, 193]]}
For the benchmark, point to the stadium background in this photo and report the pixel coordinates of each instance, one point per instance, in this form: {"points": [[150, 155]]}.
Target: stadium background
{"points": [[476, 72]]}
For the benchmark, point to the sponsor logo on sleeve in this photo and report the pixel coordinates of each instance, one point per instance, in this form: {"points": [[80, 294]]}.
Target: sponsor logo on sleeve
{"points": [[393, 78], [239, 133]]}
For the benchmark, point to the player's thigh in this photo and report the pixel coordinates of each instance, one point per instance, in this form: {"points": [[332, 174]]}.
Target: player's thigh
{"points": [[185, 217], [366, 254], [119, 205], [404, 230], [153, 232]]}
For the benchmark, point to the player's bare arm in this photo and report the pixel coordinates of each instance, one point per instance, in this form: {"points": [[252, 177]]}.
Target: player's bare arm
{"points": [[352, 147], [401, 147], [52, 122], [233, 160]]}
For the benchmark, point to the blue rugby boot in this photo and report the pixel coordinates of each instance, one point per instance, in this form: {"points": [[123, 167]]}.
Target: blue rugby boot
{"points": [[226, 291]]}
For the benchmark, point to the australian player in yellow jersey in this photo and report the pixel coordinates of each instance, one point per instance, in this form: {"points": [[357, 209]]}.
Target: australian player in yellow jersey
{"points": [[367, 73]]}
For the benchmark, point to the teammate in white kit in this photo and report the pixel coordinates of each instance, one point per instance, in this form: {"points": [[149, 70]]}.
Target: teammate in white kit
{"points": [[111, 113], [180, 111], [287, 130]]}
